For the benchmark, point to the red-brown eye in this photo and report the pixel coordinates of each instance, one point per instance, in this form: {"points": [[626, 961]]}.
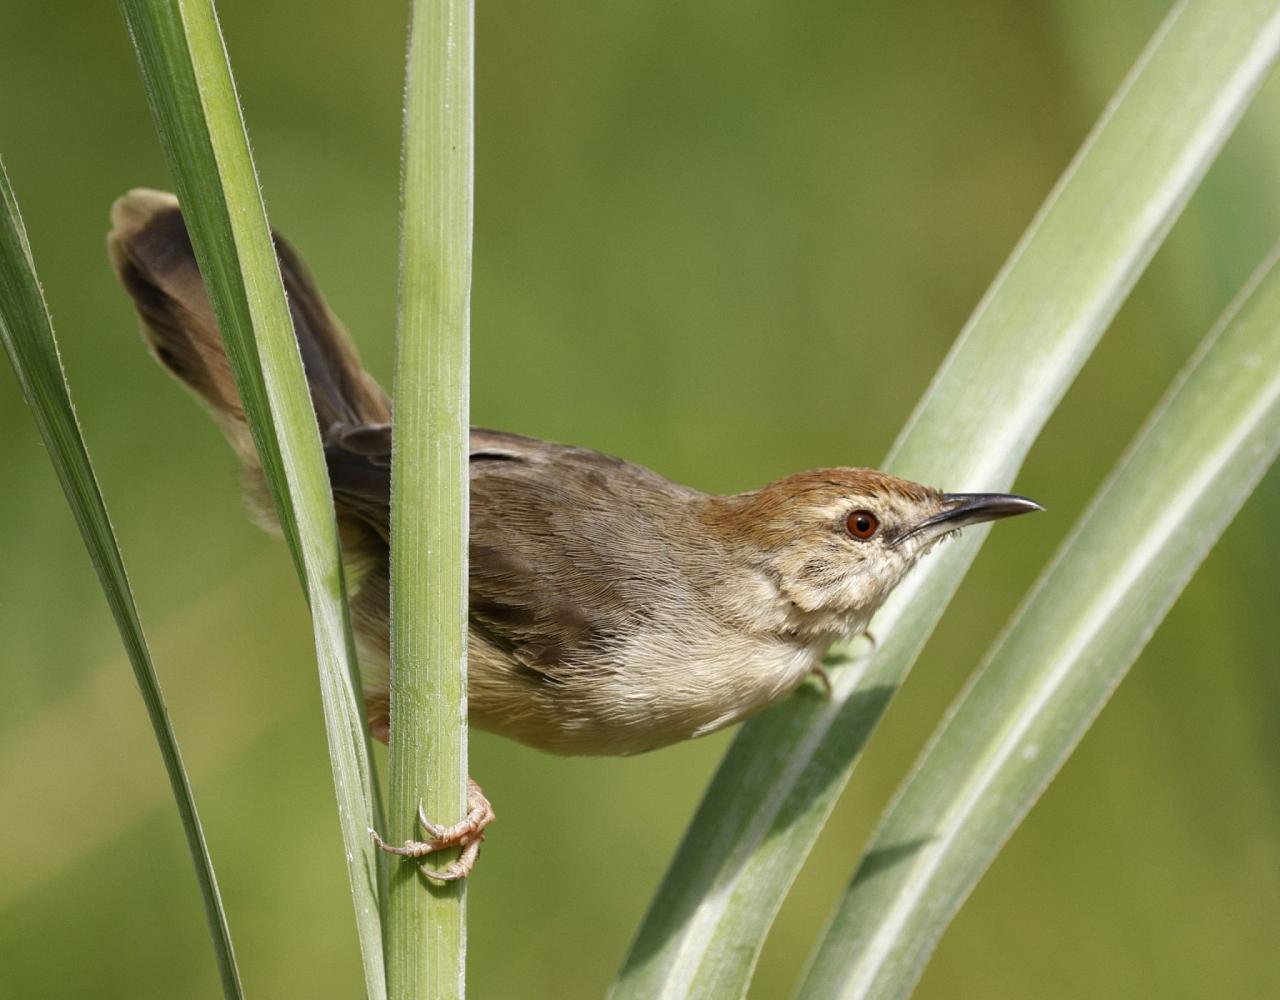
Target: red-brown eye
{"points": [[862, 524]]}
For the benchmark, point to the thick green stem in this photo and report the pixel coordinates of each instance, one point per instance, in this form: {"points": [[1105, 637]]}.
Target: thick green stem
{"points": [[426, 930]]}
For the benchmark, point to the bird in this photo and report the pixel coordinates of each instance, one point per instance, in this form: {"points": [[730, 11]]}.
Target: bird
{"points": [[611, 610]]}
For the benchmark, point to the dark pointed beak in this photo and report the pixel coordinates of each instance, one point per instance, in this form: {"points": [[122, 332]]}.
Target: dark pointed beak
{"points": [[964, 509]]}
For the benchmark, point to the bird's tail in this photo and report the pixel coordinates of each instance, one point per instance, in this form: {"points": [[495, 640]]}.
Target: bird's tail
{"points": [[152, 254]]}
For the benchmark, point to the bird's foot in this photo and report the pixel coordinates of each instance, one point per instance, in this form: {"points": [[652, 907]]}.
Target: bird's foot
{"points": [[824, 678], [819, 671], [467, 834]]}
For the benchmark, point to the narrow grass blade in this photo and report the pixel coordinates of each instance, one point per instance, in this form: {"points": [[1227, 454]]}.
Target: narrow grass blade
{"points": [[27, 333], [1088, 617], [1011, 365], [426, 928], [193, 100]]}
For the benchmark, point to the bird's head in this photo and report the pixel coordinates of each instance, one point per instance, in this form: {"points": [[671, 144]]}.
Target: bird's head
{"points": [[835, 542]]}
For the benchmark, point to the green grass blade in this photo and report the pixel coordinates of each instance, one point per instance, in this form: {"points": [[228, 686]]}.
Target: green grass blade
{"points": [[193, 100], [27, 333], [1013, 362], [426, 929], [1088, 617]]}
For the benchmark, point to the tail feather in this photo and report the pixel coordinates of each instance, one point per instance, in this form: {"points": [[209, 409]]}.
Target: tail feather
{"points": [[152, 254]]}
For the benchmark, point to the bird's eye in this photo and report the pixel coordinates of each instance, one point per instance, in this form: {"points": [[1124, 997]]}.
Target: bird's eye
{"points": [[862, 524]]}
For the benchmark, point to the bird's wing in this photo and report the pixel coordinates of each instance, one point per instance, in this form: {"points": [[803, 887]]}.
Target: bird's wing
{"points": [[538, 581]]}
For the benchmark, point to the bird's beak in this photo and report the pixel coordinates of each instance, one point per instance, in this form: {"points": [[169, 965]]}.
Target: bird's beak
{"points": [[963, 509]]}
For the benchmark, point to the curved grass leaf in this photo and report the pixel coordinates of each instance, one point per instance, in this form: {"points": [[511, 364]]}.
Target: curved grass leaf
{"points": [[197, 114], [1103, 595], [27, 333], [426, 929], [1013, 362]]}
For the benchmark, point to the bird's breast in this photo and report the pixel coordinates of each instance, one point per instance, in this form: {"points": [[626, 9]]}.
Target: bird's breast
{"points": [[654, 689]]}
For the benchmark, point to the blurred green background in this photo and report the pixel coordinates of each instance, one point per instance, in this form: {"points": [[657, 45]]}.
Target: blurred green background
{"points": [[728, 243]]}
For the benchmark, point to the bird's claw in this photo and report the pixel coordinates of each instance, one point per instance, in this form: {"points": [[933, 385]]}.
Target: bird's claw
{"points": [[824, 678], [819, 671], [467, 834]]}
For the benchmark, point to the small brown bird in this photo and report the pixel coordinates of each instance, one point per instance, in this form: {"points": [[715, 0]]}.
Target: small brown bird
{"points": [[612, 611]]}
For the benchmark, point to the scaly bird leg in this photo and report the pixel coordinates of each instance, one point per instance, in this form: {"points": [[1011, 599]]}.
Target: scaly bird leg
{"points": [[467, 834]]}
